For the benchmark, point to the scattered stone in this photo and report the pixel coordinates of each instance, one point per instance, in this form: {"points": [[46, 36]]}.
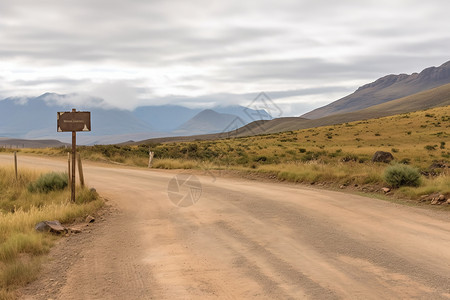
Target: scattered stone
{"points": [[448, 201], [431, 197], [342, 187], [50, 226], [435, 198], [386, 190], [423, 198], [74, 230], [381, 156], [90, 219], [93, 190], [439, 165]]}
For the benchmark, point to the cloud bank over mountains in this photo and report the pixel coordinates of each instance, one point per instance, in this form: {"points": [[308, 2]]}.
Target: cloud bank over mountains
{"points": [[193, 53]]}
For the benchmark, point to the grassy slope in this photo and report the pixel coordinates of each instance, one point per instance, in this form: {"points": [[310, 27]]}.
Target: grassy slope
{"points": [[384, 89], [21, 247], [439, 96], [407, 134], [338, 154], [319, 154]]}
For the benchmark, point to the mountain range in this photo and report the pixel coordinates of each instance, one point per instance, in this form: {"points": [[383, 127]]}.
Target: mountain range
{"points": [[35, 118], [389, 95], [385, 89]]}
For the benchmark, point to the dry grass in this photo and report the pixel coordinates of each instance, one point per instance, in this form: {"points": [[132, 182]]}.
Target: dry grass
{"points": [[174, 164], [21, 247], [316, 171], [337, 154]]}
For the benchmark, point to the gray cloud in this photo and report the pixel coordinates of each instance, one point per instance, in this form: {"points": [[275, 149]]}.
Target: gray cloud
{"points": [[63, 81], [240, 99], [149, 50]]}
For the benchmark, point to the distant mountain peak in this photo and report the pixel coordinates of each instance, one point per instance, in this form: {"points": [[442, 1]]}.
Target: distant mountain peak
{"points": [[209, 115], [206, 121], [384, 89], [207, 111], [49, 94], [445, 65], [384, 81], [35, 117]]}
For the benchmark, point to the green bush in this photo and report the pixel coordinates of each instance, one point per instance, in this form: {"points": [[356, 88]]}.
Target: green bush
{"points": [[401, 175], [49, 182]]}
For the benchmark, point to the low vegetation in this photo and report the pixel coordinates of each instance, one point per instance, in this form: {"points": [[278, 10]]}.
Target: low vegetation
{"points": [[402, 175], [49, 182], [337, 155], [22, 249]]}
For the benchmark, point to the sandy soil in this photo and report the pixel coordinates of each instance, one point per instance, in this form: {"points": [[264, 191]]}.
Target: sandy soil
{"points": [[243, 239]]}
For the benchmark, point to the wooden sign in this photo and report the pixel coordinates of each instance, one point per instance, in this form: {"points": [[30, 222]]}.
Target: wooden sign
{"points": [[74, 121]]}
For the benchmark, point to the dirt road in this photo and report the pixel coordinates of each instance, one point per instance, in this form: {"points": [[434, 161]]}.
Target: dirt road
{"points": [[251, 240]]}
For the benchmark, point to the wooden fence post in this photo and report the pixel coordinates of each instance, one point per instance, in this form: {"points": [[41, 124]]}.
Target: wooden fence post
{"points": [[80, 170], [15, 164], [150, 158], [68, 171]]}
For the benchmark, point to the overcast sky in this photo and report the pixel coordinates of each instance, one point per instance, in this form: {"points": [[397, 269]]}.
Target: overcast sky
{"points": [[303, 54]]}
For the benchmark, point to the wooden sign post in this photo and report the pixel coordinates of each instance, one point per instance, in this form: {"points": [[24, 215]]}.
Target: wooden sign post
{"points": [[73, 121]]}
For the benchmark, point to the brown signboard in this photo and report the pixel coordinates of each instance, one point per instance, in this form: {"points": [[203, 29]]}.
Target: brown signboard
{"points": [[74, 121]]}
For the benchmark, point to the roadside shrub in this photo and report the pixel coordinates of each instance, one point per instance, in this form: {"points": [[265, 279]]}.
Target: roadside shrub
{"points": [[362, 160], [402, 175], [260, 159], [349, 158], [49, 182]]}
